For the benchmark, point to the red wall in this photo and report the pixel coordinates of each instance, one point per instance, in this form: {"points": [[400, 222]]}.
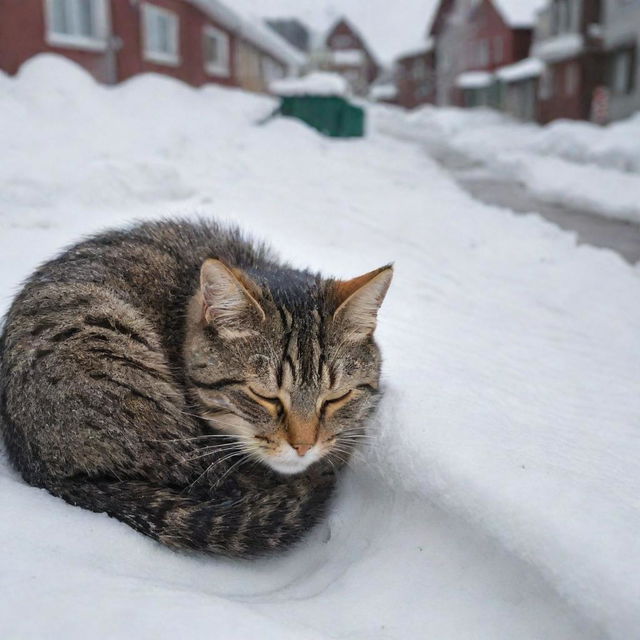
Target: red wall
{"points": [[23, 33], [409, 92], [487, 24], [126, 20]]}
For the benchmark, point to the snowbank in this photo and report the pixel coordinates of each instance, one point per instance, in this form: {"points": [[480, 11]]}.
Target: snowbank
{"points": [[318, 83], [592, 168], [499, 499]]}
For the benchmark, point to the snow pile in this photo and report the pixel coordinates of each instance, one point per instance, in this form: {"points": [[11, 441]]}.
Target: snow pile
{"points": [[592, 168], [499, 499], [318, 83], [474, 80]]}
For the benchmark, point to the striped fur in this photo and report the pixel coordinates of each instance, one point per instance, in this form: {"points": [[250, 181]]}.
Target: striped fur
{"points": [[138, 381]]}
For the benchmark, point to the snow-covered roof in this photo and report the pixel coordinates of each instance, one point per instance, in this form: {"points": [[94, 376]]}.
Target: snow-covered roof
{"points": [[474, 80], [319, 83], [519, 13], [253, 30], [559, 47], [386, 91], [527, 68], [424, 46]]}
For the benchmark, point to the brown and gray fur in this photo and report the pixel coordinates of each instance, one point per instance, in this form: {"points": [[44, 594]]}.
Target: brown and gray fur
{"points": [[180, 378]]}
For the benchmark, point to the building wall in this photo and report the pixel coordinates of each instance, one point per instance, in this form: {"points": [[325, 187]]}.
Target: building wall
{"points": [[415, 80], [127, 18], [342, 37], [23, 35], [621, 21]]}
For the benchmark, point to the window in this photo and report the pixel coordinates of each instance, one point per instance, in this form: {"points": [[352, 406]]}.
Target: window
{"points": [[621, 65], [498, 49], [483, 53], [82, 24], [160, 36], [271, 70], [571, 79], [419, 70], [342, 42], [216, 51], [545, 88]]}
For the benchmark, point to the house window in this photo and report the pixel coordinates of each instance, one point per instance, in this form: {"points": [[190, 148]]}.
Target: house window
{"points": [[271, 70], [216, 51], [545, 88], [419, 70], [571, 79], [160, 36], [498, 49], [483, 53], [621, 65], [82, 24], [342, 42]]}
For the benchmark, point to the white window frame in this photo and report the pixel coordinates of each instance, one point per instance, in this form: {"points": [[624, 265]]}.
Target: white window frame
{"points": [[102, 26], [148, 12], [220, 68]]}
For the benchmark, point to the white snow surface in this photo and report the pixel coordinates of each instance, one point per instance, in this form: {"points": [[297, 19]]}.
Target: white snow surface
{"points": [[591, 168], [474, 80], [499, 498], [522, 70], [318, 83]]}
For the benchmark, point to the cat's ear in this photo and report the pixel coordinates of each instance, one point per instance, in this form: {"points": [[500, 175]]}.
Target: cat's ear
{"points": [[359, 300], [230, 299]]}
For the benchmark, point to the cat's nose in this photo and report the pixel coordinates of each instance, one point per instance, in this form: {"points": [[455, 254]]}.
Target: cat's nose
{"points": [[302, 448]]}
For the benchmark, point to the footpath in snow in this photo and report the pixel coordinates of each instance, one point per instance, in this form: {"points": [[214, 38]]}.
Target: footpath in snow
{"points": [[500, 498], [574, 164]]}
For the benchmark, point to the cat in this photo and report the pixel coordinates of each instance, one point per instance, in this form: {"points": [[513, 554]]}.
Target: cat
{"points": [[180, 378]]}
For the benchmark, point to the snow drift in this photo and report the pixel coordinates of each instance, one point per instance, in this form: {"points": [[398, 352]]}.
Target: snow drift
{"points": [[500, 498], [591, 168]]}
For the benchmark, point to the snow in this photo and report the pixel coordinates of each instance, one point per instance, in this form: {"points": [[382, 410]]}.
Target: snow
{"points": [[474, 80], [348, 57], [386, 91], [523, 70], [500, 496], [520, 13], [318, 83], [591, 168], [561, 47]]}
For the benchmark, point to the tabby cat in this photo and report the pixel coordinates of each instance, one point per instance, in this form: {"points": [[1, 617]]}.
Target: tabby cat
{"points": [[180, 378]]}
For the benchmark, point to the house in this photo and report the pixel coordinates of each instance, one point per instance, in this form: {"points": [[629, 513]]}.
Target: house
{"points": [[620, 38], [415, 76], [196, 41], [568, 39], [293, 31], [346, 52], [498, 33]]}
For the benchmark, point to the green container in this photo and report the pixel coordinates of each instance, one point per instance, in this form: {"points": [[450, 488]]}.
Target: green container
{"points": [[331, 115]]}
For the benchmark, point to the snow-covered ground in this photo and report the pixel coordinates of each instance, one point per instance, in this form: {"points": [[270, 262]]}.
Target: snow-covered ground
{"points": [[583, 166], [500, 499]]}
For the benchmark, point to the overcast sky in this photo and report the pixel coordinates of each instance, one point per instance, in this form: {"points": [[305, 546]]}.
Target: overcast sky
{"points": [[390, 27]]}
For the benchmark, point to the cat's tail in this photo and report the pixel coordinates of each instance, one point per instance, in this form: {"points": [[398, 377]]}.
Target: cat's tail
{"points": [[255, 523]]}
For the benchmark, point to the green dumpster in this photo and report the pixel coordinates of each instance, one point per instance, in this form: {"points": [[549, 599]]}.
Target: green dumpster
{"points": [[331, 115]]}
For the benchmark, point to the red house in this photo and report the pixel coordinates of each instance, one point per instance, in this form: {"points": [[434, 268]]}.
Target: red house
{"points": [[474, 39], [414, 76], [197, 41], [348, 54]]}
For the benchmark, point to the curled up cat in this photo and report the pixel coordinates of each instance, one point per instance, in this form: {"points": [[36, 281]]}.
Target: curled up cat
{"points": [[182, 379]]}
